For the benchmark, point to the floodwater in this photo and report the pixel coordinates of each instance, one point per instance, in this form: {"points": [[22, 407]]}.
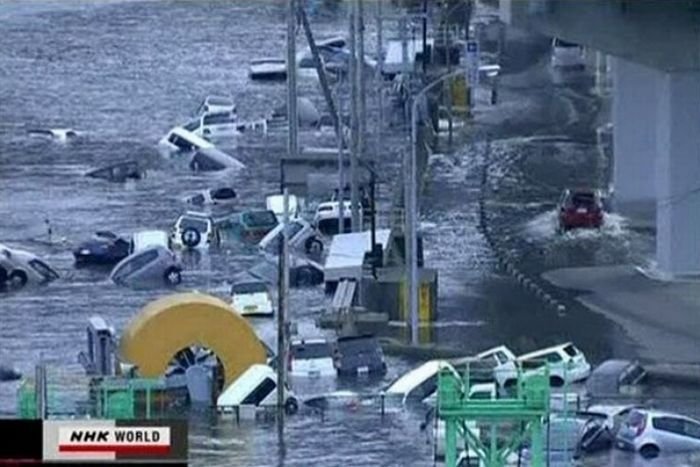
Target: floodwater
{"points": [[122, 74]]}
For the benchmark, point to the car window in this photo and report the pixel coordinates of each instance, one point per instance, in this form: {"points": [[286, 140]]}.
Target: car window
{"points": [[426, 388], [191, 125], [43, 269], [313, 350], [570, 350], [583, 199], [218, 119], [632, 374], [249, 287], [200, 225], [135, 263], [260, 392], [670, 424], [552, 357], [259, 218], [223, 193], [692, 429], [560, 43]]}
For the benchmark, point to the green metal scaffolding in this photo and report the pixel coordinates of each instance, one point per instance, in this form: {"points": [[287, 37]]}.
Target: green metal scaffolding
{"points": [[511, 420]]}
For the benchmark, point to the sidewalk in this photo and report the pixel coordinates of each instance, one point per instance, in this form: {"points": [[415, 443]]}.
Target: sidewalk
{"points": [[663, 317]]}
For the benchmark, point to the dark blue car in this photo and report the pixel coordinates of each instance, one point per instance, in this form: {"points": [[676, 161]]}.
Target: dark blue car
{"points": [[104, 248]]}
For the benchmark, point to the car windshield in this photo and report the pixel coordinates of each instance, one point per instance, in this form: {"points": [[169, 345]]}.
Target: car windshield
{"points": [[218, 119], [43, 269], [311, 350], [583, 199], [200, 225], [632, 374], [561, 43], [259, 218], [220, 101], [191, 125], [223, 193], [249, 287]]}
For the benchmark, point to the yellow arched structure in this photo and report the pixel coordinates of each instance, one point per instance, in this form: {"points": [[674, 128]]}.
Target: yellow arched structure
{"points": [[170, 324]]}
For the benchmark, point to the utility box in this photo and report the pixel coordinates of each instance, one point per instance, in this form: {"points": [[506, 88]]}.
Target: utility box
{"points": [[387, 293], [99, 358]]}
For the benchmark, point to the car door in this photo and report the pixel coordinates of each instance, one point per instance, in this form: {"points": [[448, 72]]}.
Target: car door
{"points": [[692, 432], [670, 433]]}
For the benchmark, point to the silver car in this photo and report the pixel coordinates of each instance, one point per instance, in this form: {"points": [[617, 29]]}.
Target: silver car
{"points": [[651, 432], [19, 268], [152, 265]]}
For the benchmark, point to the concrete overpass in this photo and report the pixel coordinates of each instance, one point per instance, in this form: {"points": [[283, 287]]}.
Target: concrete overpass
{"points": [[656, 106]]}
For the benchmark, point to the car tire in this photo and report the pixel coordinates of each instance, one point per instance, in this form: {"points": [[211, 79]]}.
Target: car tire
{"points": [[191, 237], [291, 406], [314, 245], [172, 276], [18, 278], [649, 451]]}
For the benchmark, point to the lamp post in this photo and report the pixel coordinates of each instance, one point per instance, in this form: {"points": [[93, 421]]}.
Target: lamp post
{"points": [[411, 207]]}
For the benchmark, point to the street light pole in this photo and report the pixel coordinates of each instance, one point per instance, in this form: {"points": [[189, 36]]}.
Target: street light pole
{"points": [[411, 205]]}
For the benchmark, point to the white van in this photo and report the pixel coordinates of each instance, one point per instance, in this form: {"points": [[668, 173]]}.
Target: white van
{"points": [[257, 387], [275, 203], [148, 238], [181, 139], [194, 230], [217, 104], [22, 267], [214, 125]]}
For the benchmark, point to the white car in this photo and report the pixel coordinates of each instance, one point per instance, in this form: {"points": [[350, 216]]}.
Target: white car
{"points": [[23, 267], [311, 358], [148, 238], [275, 203], [194, 230], [420, 383], [257, 387], [217, 104], [300, 236], [567, 364], [252, 298], [180, 139], [327, 213], [153, 265], [223, 196], [567, 54], [214, 125], [651, 432]]}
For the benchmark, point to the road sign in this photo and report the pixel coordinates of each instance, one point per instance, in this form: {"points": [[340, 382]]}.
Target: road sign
{"points": [[472, 62]]}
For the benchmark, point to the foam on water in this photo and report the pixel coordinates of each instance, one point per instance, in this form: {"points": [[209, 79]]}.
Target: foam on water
{"points": [[545, 226]]}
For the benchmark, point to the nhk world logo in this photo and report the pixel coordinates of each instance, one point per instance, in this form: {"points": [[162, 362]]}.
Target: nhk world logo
{"points": [[137, 440], [113, 439]]}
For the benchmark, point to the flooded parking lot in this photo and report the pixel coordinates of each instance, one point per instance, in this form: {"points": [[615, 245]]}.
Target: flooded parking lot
{"points": [[123, 74]]}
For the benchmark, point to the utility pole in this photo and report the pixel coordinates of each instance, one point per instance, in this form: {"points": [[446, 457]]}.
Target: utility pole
{"points": [[282, 293], [362, 101], [353, 118], [341, 163], [425, 36]]}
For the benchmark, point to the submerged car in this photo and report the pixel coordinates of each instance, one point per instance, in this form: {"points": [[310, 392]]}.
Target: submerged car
{"points": [[217, 104], [580, 209], [275, 203], [303, 272], [181, 139], [615, 378], [652, 432], [23, 267], [567, 54], [311, 358], [252, 298], [252, 226], [119, 172], [144, 239], [104, 248], [300, 236], [257, 387], [359, 355], [194, 230], [327, 214], [152, 265], [215, 196], [566, 364], [214, 125]]}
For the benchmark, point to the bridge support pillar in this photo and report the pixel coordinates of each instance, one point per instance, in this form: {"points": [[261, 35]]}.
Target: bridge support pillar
{"points": [[678, 174], [634, 116]]}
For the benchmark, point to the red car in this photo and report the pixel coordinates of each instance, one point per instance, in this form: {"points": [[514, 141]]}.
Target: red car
{"points": [[580, 209]]}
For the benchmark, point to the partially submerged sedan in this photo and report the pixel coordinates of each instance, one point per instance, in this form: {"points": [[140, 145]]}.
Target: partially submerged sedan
{"points": [[151, 266], [119, 172], [23, 267], [104, 248], [214, 196]]}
